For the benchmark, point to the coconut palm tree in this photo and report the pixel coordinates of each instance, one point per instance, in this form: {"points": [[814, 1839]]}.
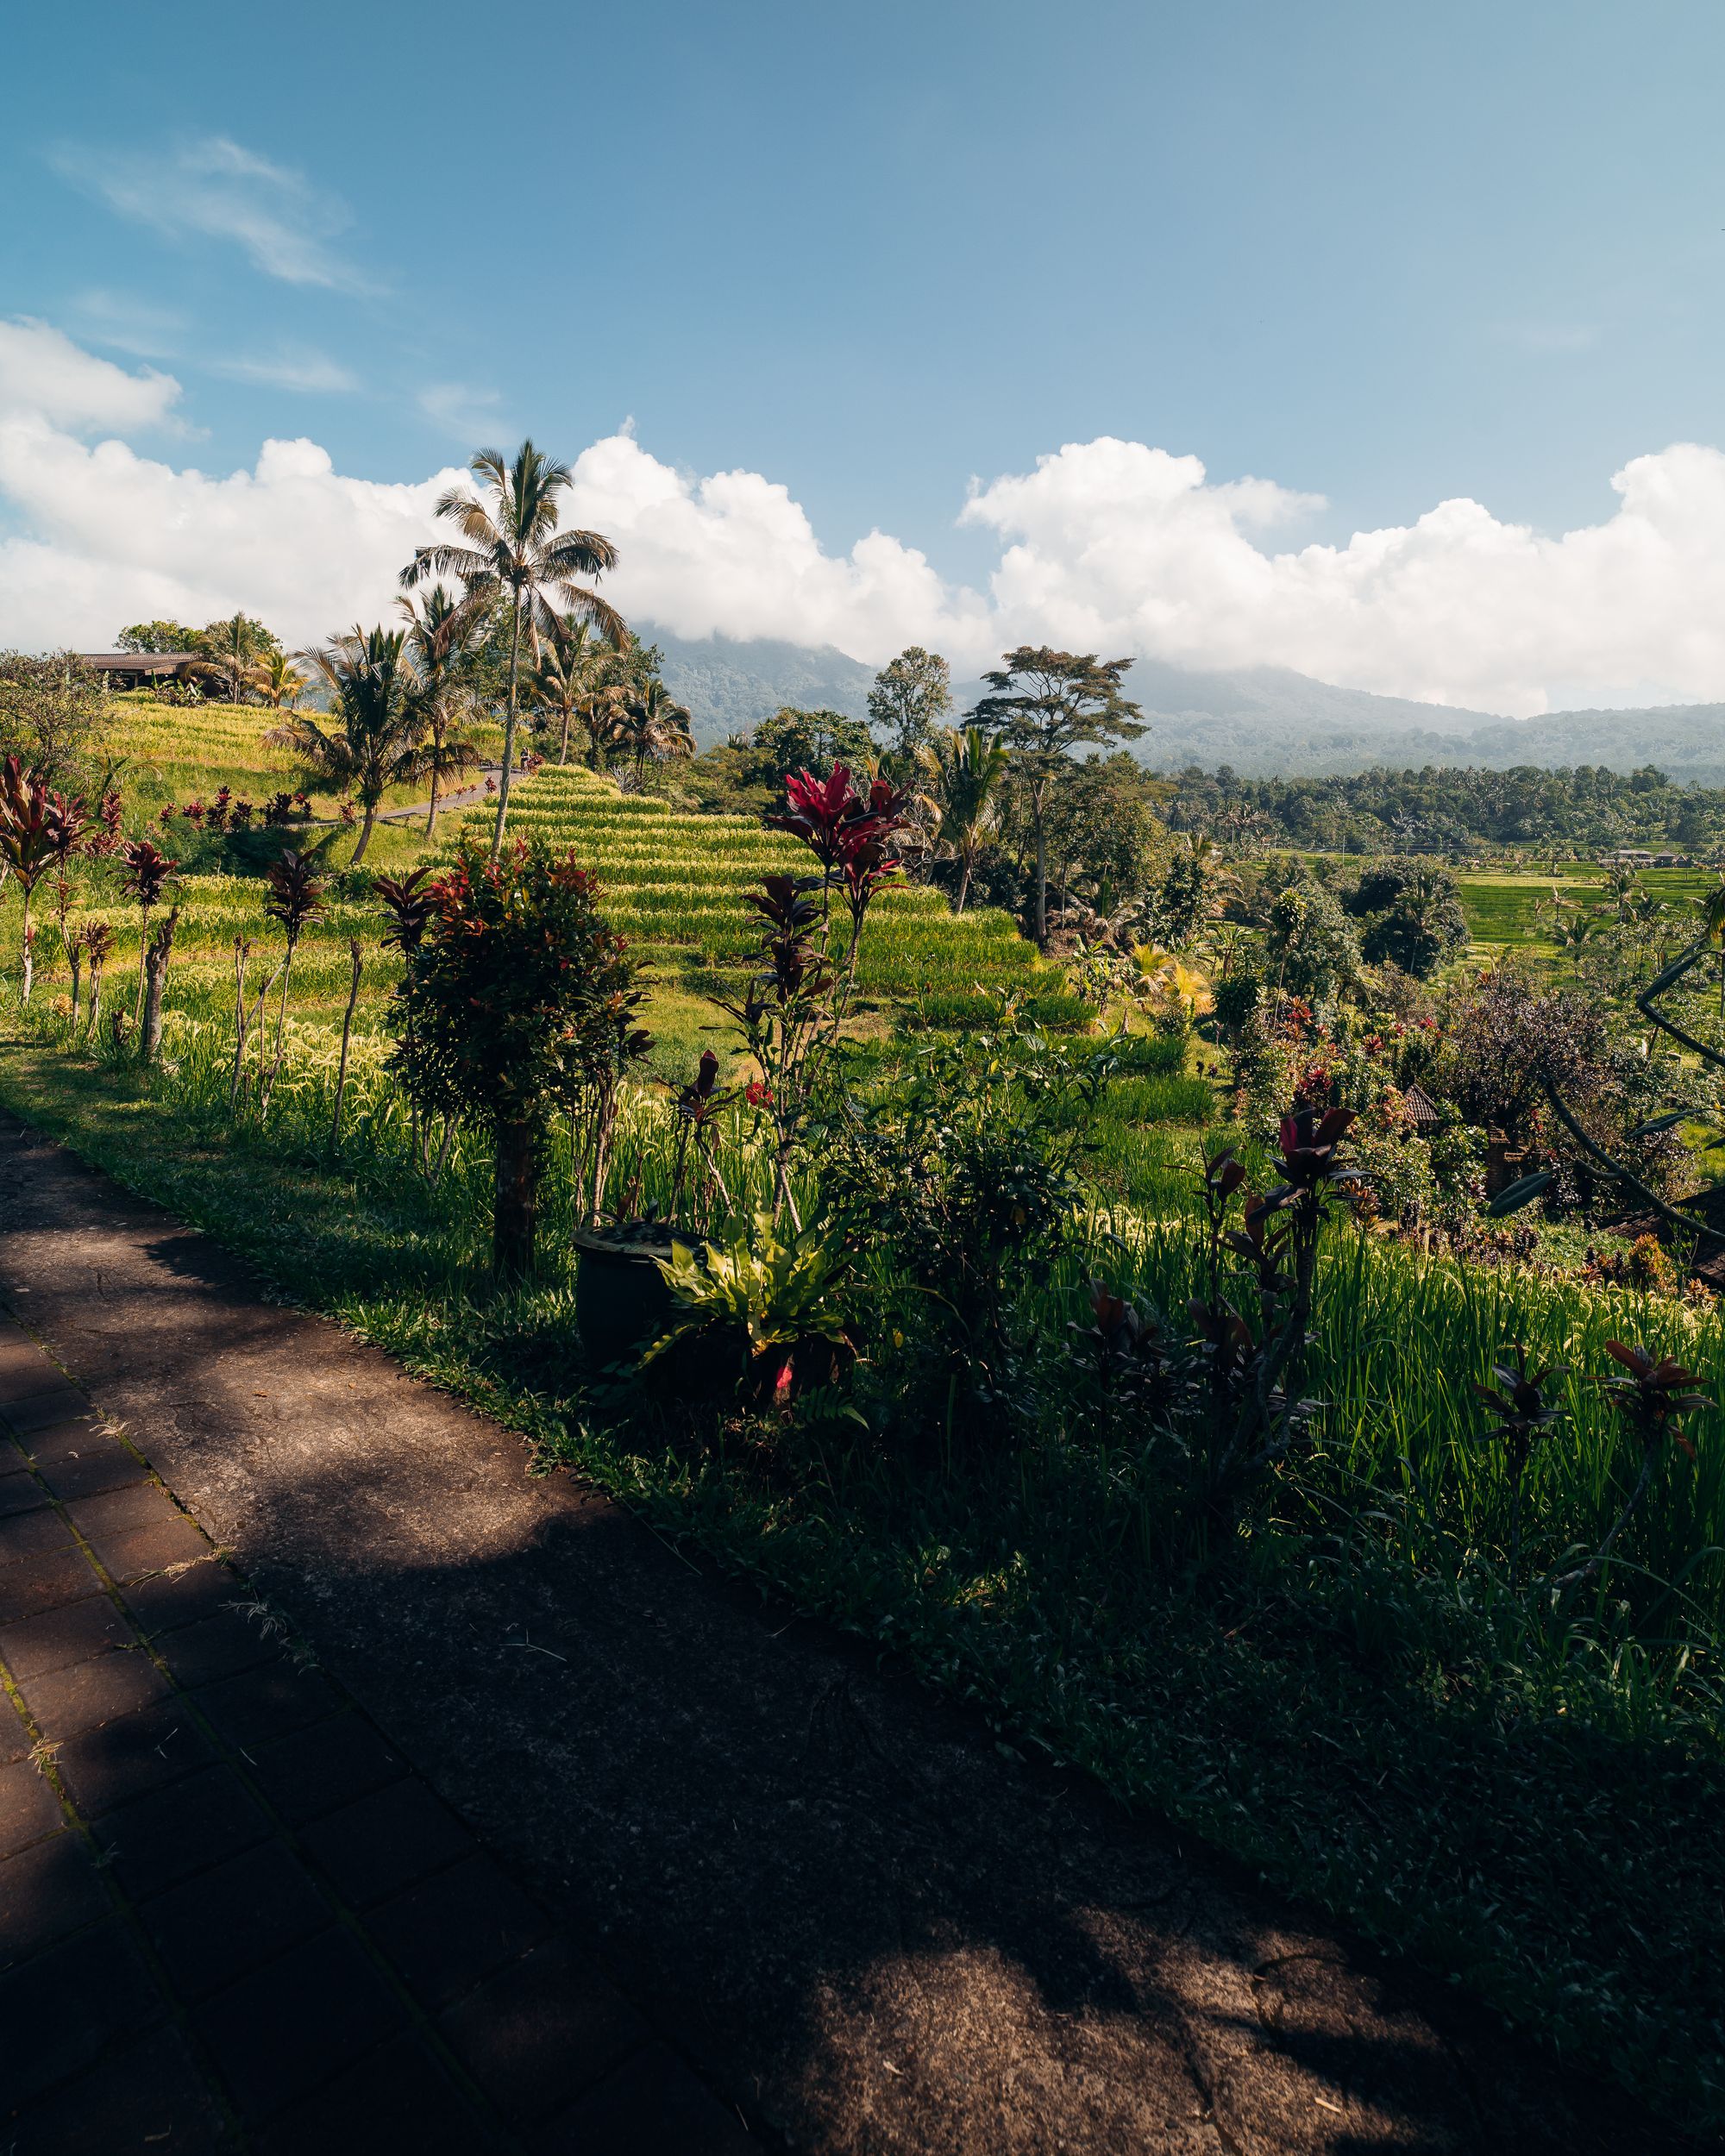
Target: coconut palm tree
{"points": [[651, 722], [563, 679], [1711, 908], [278, 681], [511, 550], [966, 770], [440, 636], [231, 655], [376, 743]]}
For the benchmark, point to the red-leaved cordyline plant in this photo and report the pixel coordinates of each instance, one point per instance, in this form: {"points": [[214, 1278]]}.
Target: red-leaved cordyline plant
{"points": [[1247, 1404], [792, 1011], [144, 877], [1522, 1416], [1123, 1350], [410, 902], [27, 845], [699, 1106], [69, 834], [1655, 1392], [295, 896], [96, 940]]}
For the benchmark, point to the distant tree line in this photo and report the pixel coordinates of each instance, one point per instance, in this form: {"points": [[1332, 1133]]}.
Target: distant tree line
{"points": [[1441, 810]]}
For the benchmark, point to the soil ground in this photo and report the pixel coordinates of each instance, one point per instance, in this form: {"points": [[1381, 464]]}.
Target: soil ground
{"points": [[821, 1901]]}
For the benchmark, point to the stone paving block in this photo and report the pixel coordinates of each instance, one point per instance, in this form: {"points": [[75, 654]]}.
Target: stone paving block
{"points": [[32, 1534], [99, 1466], [249, 1709], [171, 1541], [104, 1767], [215, 1928], [541, 2031], [66, 1702], [28, 1806], [147, 2100], [384, 1842], [399, 2099], [46, 1890], [71, 1633], [73, 1439], [286, 2029], [20, 1491], [220, 1644], [455, 1929], [59, 2010], [119, 1512], [170, 1833], [651, 2106], [322, 1768], [45, 1582], [161, 1601], [39, 1410], [24, 1369]]}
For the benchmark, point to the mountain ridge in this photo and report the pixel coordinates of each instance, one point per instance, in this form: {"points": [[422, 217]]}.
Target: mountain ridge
{"points": [[1265, 721]]}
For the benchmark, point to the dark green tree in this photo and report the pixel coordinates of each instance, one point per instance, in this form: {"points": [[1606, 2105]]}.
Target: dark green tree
{"points": [[911, 698], [515, 1003], [1410, 913], [1045, 704], [157, 637]]}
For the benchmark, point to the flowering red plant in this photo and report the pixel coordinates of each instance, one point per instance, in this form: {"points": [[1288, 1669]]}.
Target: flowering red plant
{"points": [[832, 819], [791, 1012]]}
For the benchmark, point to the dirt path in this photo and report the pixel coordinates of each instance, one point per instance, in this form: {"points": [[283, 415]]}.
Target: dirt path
{"points": [[866, 1929]]}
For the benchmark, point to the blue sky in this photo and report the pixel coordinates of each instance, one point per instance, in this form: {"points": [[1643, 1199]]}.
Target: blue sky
{"points": [[1384, 255]]}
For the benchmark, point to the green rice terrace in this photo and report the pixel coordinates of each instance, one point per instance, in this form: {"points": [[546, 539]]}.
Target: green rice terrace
{"points": [[1373, 1534]]}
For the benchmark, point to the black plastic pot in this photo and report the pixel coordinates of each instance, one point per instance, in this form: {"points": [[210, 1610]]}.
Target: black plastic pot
{"points": [[621, 1299]]}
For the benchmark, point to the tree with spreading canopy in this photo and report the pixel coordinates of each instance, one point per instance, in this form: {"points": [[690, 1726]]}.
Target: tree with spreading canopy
{"points": [[911, 698], [1043, 705]]}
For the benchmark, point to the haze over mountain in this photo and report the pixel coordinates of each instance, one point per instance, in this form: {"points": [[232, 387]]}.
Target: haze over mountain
{"points": [[1265, 721]]}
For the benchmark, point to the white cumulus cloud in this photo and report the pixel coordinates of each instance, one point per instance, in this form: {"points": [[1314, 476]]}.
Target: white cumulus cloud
{"points": [[45, 377], [1106, 545], [1110, 543]]}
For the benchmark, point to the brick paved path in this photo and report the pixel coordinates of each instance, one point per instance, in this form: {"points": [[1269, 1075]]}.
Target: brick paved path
{"points": [[231, 1916]]}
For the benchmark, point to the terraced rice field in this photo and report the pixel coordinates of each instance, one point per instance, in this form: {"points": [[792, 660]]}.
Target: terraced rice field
{"points": [[672, 882], [1503, 911]]}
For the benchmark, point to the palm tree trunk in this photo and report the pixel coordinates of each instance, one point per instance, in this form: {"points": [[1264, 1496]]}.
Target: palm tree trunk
{"points": [[963, 883], [515, 1208], [346, 1035], [1041, 875], [144, 946], [508, 729], [365, 834], [155, 969], [431, 817], [563, 746], [29, 969]]}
